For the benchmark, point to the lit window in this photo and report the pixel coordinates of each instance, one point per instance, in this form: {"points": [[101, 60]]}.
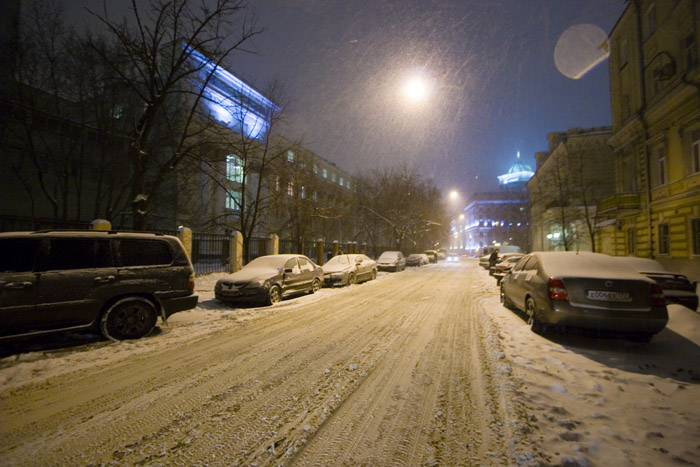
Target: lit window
{"points": [[315, 196], [234, 168], [342, 182], [303, 192], [290, 189], [333, 176], [325, 173], [315, 169], [347, 185], [233, 200], [290, 156]]}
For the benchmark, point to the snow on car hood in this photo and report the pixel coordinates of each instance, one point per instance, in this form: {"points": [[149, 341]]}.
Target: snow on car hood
{"points": [[585, 264], [251, 274], [328, 269]]}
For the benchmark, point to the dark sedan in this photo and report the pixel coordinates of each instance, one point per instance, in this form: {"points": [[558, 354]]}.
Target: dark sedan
{"points": [[268, 279], [586, 290]]}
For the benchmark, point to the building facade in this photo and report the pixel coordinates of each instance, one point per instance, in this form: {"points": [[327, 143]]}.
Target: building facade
{"points": [[571, 178], [655, 103], [498, 217]]}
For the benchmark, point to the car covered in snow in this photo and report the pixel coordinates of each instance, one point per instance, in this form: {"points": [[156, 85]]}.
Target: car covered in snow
{"points": [[417, 259], [111, 282], [677, 287], [391, 261], [585, 290], [268, 279], [347, 269], [432, 255], [505, 263]]}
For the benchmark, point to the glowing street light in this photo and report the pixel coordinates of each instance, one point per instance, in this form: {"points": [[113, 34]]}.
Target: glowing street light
{"points": [[416, 89]]}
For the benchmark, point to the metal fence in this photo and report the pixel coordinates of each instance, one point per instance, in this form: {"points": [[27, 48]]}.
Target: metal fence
{"points": [[210, 253]]}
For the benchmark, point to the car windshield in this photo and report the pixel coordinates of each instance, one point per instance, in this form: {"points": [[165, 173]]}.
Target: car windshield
{"points": [[340, 260], [267, 262], [389, 255]]}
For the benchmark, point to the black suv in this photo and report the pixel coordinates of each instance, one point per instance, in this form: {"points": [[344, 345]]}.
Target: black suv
{"points": [[113, 282]]}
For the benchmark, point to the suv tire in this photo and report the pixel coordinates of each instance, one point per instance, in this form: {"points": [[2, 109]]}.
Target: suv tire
{"points": [[128, 318]]}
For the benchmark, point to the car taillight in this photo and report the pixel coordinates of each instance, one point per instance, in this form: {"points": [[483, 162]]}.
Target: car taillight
{"points": [[657, 296], [557, 291], [190, 282]]}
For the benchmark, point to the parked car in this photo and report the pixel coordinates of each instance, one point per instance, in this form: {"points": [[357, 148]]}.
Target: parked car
{"points": [[391, 261], [417, 259], [502, 250], [677, 288], [505, 264], [109, 282], [349, 269], [586, 290], [432, 255], [268, 279]]}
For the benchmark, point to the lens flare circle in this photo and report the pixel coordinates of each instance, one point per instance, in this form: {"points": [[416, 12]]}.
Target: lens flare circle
{"points": [[579, 49]]}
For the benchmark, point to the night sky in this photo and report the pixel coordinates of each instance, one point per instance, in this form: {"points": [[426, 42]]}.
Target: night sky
{"points": [[492, 87]]}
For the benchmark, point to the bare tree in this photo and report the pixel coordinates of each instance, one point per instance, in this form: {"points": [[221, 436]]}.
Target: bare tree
{"points": [[164, 58], [401, 209]]}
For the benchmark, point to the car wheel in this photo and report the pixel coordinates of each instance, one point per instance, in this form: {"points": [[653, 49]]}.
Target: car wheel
{"points": [[315, 285], [128, 318], [274, 295], [533, 318], [504, 299], [374, 274], [352, 279]]}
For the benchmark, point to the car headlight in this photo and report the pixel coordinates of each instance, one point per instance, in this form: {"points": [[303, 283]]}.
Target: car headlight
{"points": [[259, 284]]}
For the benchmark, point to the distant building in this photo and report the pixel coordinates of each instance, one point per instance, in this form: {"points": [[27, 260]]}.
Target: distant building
{"points": [[498, 217], [655, 103], [571, 178]]}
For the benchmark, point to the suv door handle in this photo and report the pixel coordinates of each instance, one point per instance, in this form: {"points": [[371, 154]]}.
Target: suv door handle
{"points": [[18, 285], [104, 280]]}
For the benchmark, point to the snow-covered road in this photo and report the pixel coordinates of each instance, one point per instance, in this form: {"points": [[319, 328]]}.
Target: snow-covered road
{"points": [[422, 367]]}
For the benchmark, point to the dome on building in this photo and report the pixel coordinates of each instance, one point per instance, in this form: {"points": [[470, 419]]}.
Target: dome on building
{"points": [[518, 172]]}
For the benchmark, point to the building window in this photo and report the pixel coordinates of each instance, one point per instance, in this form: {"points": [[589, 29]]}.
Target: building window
{"points": [[664, 240], [695, 150], [624, 52], [290, 156], [234, 168], [325, 173], [303, 192], [290, 189], [649, 21], [631, 241], [341, 182], [315, 196], [234, 200], [689, 52], [695, 229], [315, 169], [347, 185], [333, 176], [662, 166], [659, 172], [277, 183]]}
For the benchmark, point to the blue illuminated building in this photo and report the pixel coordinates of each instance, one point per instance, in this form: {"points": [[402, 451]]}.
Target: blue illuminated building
{"points": [[498, 217], [232, 102]]}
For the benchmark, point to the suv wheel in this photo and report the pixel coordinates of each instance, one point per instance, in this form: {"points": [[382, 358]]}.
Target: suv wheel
{"points": [[315, 285], [128, 318]]}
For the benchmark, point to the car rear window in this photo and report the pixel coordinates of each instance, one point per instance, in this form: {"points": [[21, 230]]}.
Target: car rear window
{"points": [[78, 253], [18, 254], [144, 252]]}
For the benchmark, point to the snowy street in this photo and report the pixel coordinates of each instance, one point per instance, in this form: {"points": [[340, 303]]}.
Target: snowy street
{"points": [[421, 367]]}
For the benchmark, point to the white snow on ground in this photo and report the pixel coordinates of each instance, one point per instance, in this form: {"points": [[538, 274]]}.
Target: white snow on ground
{"points": [[590, 400]]}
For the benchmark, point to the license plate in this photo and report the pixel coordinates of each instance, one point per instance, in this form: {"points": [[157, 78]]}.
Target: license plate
{"points": [[608, 295]]}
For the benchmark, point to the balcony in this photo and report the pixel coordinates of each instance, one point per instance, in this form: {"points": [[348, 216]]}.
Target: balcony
{"points": [[620, 202]]}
